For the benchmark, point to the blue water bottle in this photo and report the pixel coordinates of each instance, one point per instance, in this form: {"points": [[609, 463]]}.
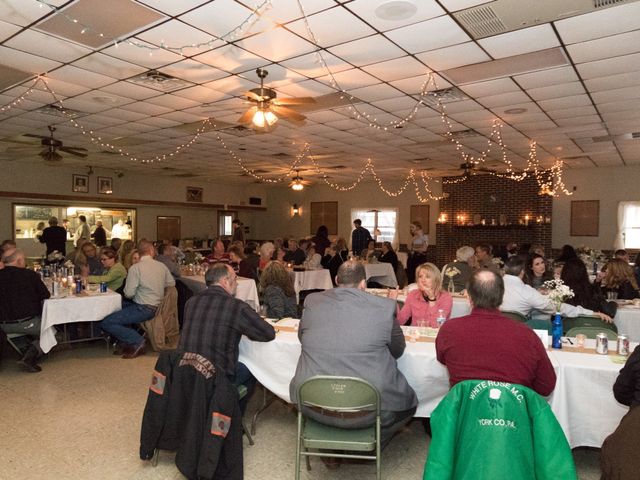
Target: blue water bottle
{"points": [[556, 331]]}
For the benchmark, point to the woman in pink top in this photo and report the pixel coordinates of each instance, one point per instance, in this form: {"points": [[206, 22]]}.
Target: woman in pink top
{"points": [[422, 305]]}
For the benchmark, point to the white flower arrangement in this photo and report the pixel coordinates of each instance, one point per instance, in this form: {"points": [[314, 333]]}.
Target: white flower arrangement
{"points": [[198, 257], [55, 256], [452, 272], [589, 255], [497, 261], [558, 292]]}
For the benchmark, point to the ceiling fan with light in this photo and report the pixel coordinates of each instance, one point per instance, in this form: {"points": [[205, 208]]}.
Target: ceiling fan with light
{"points": [[473, 168], [268, 109], [297, 182], [51, 147]]}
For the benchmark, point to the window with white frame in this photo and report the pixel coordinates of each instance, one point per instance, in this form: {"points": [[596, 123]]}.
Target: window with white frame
{"points": [[629, 225], [381, 222]]}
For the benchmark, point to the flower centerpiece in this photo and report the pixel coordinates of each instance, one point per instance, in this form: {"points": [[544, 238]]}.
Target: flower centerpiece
{"points": [[497, 261], [558, 292], [451, 272], [589, 255]]}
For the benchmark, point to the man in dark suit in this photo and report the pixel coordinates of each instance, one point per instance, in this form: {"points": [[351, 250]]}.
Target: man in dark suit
{"points": [[55, 237], [365, 341]]}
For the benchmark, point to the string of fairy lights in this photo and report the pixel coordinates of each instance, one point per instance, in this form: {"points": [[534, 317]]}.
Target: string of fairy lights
{"points": [[230, 36], [549, 180]]}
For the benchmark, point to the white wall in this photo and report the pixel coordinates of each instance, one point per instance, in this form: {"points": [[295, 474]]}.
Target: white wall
{"points": [[279, 221], [610, 185], [199, 222]]}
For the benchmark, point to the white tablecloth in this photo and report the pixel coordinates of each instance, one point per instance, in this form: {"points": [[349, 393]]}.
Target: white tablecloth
{"points": [[382, 273], [312, 280], [246, 291], [582, 401], [84, 308], [627, 320]]}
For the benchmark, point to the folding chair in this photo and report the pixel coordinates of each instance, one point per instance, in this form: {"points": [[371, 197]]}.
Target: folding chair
{"points": [[592, 332], [337, 395], [517, 316], [587, 321]]}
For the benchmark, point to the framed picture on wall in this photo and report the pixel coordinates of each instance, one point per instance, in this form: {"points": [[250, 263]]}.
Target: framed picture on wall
{"points": [[585, 218], [80, 183], [105, 185], [194, 194]]}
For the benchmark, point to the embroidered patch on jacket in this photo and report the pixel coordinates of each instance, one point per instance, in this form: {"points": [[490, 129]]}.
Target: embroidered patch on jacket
{"points": [[220, 424], [157, 383]]}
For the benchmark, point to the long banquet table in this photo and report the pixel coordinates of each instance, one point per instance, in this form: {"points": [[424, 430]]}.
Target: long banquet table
{"points": [[86, 307], [582, 401]]}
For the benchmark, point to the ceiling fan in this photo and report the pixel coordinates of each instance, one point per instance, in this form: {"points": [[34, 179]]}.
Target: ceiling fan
{"points": [[268, 109], [51, 147], [473, 168], [297, 182]]}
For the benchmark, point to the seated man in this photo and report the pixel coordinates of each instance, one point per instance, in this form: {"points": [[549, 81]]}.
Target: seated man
{"points": [[485, 345], [522, 298], [21, 296], [167, 254], [295, 254], [346, 331], [214, 322], [144, 291], [485, 259]]}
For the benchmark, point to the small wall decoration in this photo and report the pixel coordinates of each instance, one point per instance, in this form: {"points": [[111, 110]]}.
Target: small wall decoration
{"points": [[105, 185], [585, 218], [80, 183], [194, 194]]}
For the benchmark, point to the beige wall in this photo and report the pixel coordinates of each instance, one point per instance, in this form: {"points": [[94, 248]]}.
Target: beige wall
{"points": [[279, 221], [610, 185]]}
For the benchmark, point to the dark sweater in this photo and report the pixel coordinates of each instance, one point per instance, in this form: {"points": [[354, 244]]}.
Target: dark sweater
{"points": [[21, 294], [56, 239]]}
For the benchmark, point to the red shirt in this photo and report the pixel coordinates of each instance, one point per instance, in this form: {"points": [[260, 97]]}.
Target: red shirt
{"points": [[488, 346]]}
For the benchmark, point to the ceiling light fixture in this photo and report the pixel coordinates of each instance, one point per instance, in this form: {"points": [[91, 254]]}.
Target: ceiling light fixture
{"points": [[396, 10], [297, 185], [264, 118]]}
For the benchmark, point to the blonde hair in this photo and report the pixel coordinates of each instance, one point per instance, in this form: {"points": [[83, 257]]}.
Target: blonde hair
{"points": [[619, 271], [125, 249], [275, 274], [434, 273], [128, 259]]}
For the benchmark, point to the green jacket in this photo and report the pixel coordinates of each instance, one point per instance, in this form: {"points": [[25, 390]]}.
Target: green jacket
{"points": [[499, 431], [114, 277]]}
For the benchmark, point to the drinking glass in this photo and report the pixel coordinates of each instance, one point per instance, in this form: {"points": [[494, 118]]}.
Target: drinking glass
{"points": [[580, 339], [422, 326]]}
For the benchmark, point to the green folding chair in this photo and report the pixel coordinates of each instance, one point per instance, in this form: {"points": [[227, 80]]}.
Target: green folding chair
{"points": [[517, 316], [587, 321], [337, 395], [591, 332]]}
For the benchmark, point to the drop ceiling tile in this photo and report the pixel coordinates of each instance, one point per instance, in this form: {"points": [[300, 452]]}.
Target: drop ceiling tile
{"points": [[130, 90], [396, 69], [455, 5], [61, 88], [615, 95], [283, 11], [609, 21], [353, 78], [385, 15], [219, 18], [568, 102], [401, 106], [106, 65], [503, 99], [71, 74], [573, 112], [233, 85], [367, 50], [7, 29], [26, 62], [611, 66], [172, 101], [174, 34], [310, 66], [193, 71], [527, 40], [332, 27], [151, 57], [631, 104], [607, 47], [146, 108], [37, 43], [232, 59], [574, 121], [429, 35], [614, 81], [548, 77], [455, 56], [556, 91], [375, 92], [24, 13], [182, 117], [491, 87], [309, 88], [278, 76], [172, 8], [200, 94], [411, 86], [123, 115], [85, 104]]}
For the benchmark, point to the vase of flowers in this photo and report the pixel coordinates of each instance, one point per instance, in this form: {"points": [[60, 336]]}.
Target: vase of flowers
{"points": [[558, 292], [451, 272]]}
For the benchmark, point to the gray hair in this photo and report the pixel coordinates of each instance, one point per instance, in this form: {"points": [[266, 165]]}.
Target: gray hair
{"points": [[216, 273], [350, 274], [463, 254], [11, 256], [267, 249]]}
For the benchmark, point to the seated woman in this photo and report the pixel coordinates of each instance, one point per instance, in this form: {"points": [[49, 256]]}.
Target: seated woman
{"points": [[279, 297], [132, 258], [267, 250], [536, 272], [574, 275], [464, 264], [422, 304], [313, 260], [217, 253], [619, 457], [88, 256], [239, 263], [125, 249], [114, 274], [342, 249], [332, 261], [389, 256], [620, 279], [370, 253]]}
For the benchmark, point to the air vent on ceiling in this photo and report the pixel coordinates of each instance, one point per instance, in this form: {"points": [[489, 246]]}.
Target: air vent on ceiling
{"points": [[239, 131], [610, 138], [169, 169], [281, 155], [460, 134], [481, 21], [57, 110], [160, 81], [444, 95], [186, 175], [607, 3]]}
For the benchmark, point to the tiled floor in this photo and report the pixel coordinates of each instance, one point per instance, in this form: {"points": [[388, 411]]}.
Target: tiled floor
{"points": [[80, 419]]}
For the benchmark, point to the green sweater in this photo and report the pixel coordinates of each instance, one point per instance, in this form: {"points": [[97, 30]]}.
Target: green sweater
{"points": [[114, 277], [495, 430]]}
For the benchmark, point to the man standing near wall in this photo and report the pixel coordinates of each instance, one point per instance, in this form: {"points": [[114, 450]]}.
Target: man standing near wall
{"points": [[359, 237]]}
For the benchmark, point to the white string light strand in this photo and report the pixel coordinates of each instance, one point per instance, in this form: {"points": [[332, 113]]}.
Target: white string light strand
{"points": [[97, 140], [16, 101], [231, 35]]}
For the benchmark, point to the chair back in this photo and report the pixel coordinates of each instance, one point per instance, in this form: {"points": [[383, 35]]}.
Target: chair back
{"points": [[587, 321], [517, 316], [341, 394], [592, 332], [163, 330]]}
